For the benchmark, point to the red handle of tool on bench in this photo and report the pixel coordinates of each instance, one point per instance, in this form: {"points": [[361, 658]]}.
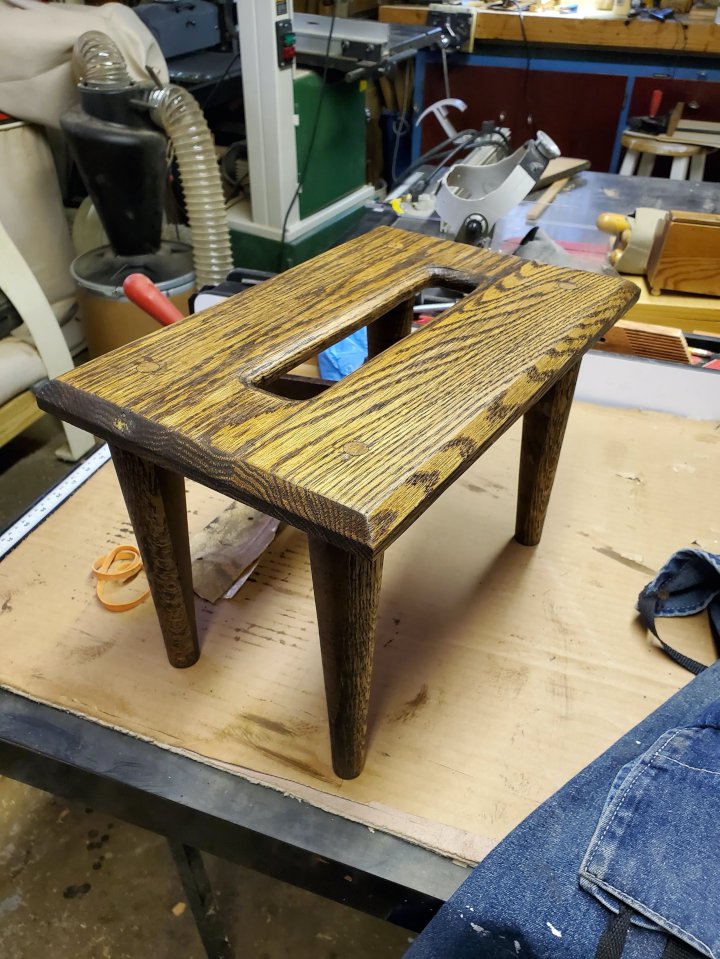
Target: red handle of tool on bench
{"points": [[141, 290]]}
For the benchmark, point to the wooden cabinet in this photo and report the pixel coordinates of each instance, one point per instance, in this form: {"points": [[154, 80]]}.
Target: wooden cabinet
{"points": [[584, 104], [579, 111]]}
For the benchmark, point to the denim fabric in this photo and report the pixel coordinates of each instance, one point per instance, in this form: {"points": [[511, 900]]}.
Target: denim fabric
{"points": [[688, 583], [657, 843], [525, 899]]}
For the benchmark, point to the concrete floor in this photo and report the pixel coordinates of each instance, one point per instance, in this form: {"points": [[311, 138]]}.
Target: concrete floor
{"points": [[77, 884]]}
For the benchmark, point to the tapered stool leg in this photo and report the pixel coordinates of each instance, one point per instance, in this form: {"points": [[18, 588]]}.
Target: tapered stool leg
{"points": [[543, 431], [394, 326], [347, 588], [155, 500]]}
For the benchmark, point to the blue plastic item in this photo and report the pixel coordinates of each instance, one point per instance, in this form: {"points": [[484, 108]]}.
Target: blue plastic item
{"points": [[342, 358]]}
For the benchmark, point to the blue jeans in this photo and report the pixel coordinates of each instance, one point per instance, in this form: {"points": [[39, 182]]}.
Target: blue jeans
{"points": [[639, 826]]}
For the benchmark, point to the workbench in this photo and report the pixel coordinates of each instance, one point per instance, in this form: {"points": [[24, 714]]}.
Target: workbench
{"points": [[538, 648], [580, 76], [590, 29]]}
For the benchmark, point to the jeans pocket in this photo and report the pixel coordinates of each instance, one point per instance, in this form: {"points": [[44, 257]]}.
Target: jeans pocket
{"points": [[657, 844]]}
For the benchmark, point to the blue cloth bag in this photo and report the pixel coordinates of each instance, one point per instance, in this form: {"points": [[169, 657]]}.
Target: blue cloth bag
{"points": [[687, 584], [623, 861]]}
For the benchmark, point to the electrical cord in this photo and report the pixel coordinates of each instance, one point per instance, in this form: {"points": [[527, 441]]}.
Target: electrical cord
{"points": [[478, 141], [222, 76], [448, 149], [683, 35], [498, 132], [504, 5], [435, 152], [446, 77], [401, 126], [313, 135]]}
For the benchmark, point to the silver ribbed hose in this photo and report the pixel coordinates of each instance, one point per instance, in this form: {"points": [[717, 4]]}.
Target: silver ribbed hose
{"points": [[98, 62], [179, 114]]}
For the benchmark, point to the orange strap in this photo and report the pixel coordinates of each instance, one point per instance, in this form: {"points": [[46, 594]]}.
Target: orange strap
{"points": [[129, 565]]}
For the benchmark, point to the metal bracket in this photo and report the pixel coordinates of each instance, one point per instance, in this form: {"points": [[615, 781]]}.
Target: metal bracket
{"points": [[458, 27]]}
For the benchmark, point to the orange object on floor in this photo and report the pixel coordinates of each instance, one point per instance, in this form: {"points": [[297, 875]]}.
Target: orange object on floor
{"points": [[129, 557]]}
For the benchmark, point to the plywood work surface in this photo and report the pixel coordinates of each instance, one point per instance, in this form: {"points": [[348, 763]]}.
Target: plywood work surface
{"points": [[500, 671]]}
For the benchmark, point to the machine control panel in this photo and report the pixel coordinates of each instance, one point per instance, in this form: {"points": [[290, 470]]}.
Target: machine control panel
{"points": [[285, 35]]}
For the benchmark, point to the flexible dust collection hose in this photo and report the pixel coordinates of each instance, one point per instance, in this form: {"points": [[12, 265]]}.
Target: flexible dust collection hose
{"points": [[179, 114], [98, 62]]}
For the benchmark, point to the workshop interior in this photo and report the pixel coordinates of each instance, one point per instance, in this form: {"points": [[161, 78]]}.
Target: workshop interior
{"points": [[290, 285]]}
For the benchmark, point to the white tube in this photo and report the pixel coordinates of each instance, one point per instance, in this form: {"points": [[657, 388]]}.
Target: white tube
{"points": [[98, 62], [179, 114]]}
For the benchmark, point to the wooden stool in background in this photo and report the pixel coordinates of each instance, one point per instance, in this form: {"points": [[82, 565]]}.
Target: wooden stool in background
{"points": [[688, 159], [353, 465]]}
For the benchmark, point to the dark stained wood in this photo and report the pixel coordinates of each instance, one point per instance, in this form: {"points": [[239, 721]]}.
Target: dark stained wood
{"points": [[295, 387], [347, 589], [155, 499], [361, 460], [543, 431], [391, 328], [357, 463]]}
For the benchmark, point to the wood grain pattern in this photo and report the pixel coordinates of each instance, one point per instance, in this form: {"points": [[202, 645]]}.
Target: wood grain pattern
{"points": [[645, 339], [155, 499], [359, 462], [646, 143], [685, 254], [577, 31], [543, 431], [390, 329], [699, 313], [17, 414], [559, 168], [347, 589], [537, 209]]}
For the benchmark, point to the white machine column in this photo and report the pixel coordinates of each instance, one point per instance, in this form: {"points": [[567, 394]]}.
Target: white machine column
{"points": [[269, 113]]}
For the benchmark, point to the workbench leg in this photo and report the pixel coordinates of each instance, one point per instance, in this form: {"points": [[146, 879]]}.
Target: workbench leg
{"points": [[347, 588], [390, 328], [543, 431], [155, 500], [201, 900]]}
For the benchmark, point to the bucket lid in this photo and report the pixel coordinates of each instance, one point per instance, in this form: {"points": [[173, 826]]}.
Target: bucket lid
{"points": [[103, 271]]}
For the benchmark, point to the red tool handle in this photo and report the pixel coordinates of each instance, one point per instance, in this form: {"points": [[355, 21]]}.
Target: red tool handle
{"points": [[141, 290], [655, 101]]}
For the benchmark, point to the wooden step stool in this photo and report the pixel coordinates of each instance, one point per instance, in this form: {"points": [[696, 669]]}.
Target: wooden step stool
{"points": [[353, 465]]}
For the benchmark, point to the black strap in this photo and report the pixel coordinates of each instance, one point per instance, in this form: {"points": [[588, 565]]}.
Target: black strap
{"points": [[614, 935], [646, 608], [714, 629], [612, 940], [675, 949]]}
